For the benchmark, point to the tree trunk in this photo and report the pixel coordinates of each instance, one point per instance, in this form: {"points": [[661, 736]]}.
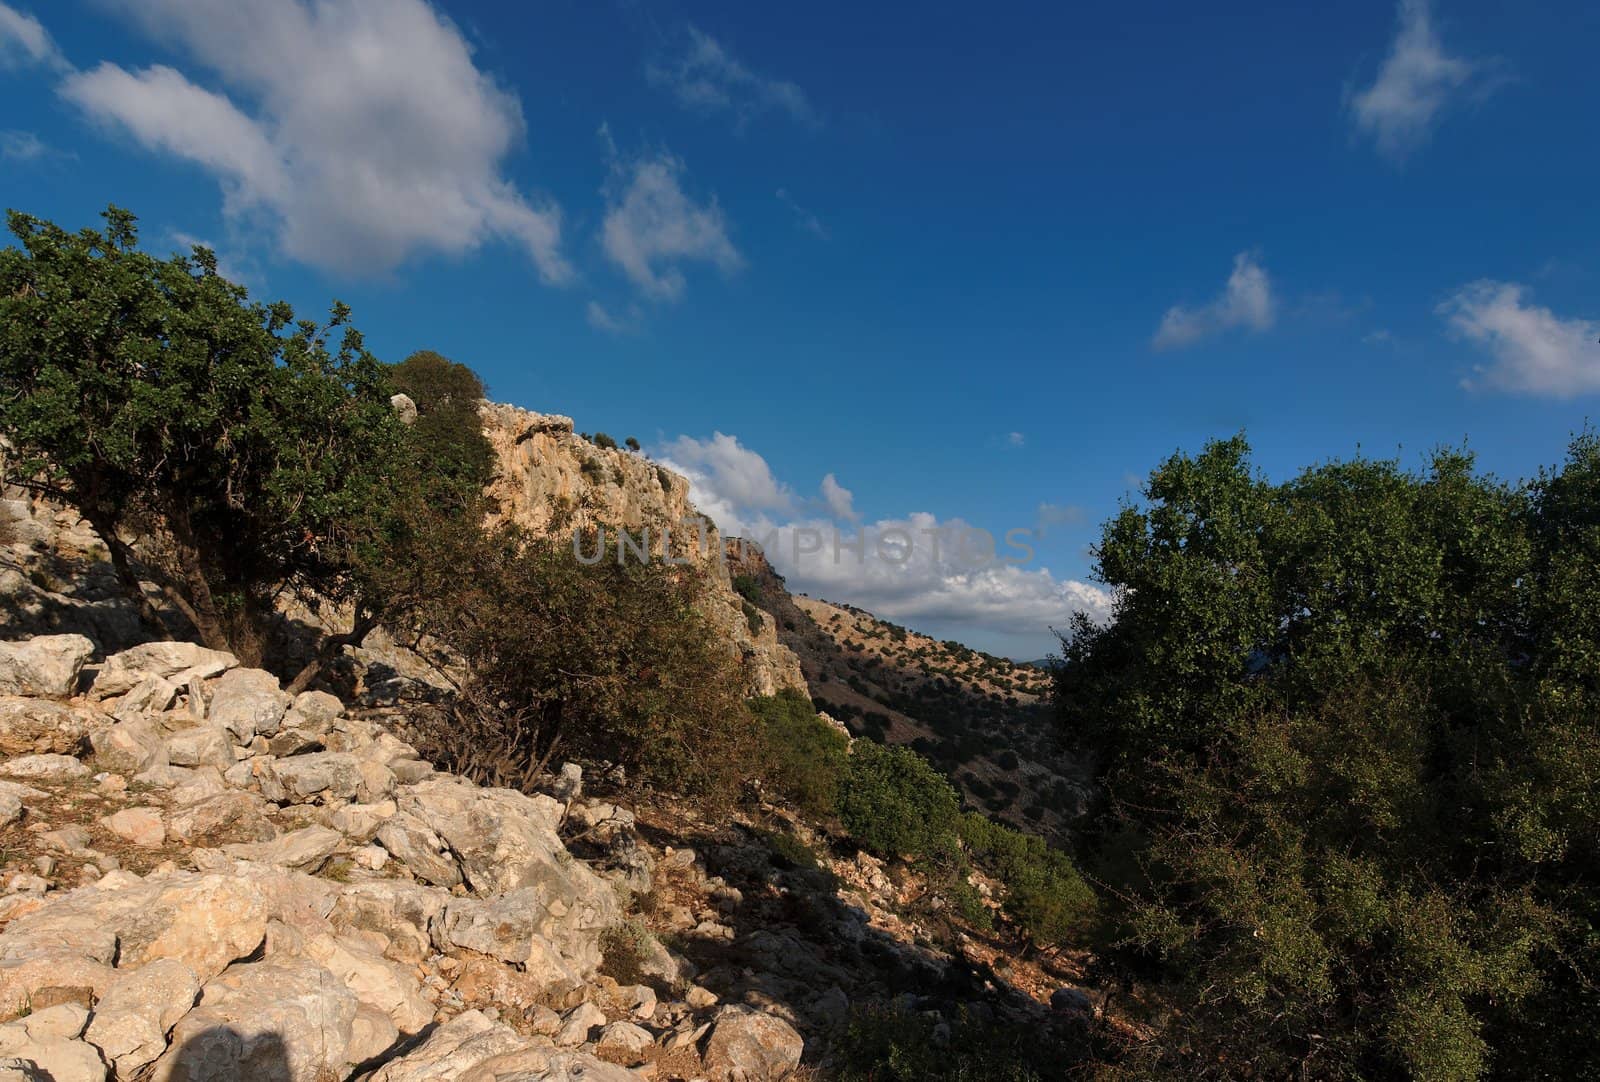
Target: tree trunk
{"points": [[329, 646], [106, 527], [197, 599]]}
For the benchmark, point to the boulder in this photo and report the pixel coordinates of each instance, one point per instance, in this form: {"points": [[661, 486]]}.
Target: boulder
{"points": [[247, 702], [513, 929], [472, 1048], [505, 842], [52, 974], [748, 1046], [318, 707], [578, 1023], [360, 822], [139, 1008], [306, 849], [48, 1041], [625, 1043], [326, 776], [129, 747], [13, 795], [45, 768], [374, 980], [152, 695], [206, 744], [205, 921], [231, 815], [35, 726], [278, 1021], [398, 911], [413, 844], [177, 662], [46, 666], [141, 826]]}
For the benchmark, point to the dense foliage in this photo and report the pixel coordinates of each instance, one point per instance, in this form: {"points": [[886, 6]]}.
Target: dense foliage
{"points": [[154, 397], [608, 663], [804, 757], [1043, 893], [1347, 740], [895, 804]]}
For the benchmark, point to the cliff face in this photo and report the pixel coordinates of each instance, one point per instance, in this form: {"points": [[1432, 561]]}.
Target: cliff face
{"points": [[550, 479]]}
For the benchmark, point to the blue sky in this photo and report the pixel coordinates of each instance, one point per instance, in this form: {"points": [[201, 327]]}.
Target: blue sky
{"points": [[884, 265]]}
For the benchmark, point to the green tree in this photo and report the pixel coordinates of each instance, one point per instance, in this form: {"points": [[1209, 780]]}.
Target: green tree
{"points": [[1342, 726], [249, 448], [895, 804]]}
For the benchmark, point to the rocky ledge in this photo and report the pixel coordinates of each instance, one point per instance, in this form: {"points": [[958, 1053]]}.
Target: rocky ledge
{"points": [[205, 879]]}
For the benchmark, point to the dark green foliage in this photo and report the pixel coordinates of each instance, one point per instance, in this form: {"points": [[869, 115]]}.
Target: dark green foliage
{"points": [[447, 437], [1044, 894], [1347, 733], [748, 588], [255, 449], [752, 617], [606, 663], [805, 758], [883, 1044], [604, 442], [631, 444], [896, 805]]}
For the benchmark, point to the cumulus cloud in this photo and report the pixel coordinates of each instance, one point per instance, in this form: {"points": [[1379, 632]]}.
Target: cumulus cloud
{"points": [[704, 77], [916, 569], [652, 227], [840, 500], [1534, 351], [1416, 83], [1246, 301], [362, 134], [24, 42]]}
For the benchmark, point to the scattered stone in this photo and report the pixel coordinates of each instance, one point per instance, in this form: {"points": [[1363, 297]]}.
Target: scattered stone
{"points": [[141, 826], [247, 702], [625, 1043], [746, 1044], [46, 666], [577, 1023], [47, 767], [179, 662]]}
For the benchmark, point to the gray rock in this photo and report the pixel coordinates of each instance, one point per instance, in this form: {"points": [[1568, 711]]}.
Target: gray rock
{"points": [[139, 1008], [748, 1045], [625, 1043], [305, 850], [178, 662], [152, 695], [247, 702], [326, 776], [45, 768], [200, 745], [129, 747], [40, 726], [46, 666], [278, 1021], [470, 1046], [413, 844], [577, 1024]]}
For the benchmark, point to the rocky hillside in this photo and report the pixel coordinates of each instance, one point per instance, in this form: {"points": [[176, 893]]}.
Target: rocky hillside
{"points": [[204, 878], [550, 478], [982, 719]]}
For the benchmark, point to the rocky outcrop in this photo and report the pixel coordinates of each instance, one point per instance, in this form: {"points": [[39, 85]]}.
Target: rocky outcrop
{"points": [[550, 479], [182, 902]]}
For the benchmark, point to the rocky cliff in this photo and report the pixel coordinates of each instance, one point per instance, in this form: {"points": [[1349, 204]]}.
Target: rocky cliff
{"points": [[549, 478]]}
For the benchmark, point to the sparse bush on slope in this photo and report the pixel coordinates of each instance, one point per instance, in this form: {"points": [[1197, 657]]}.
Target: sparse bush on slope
{"points": [[805, 758]]}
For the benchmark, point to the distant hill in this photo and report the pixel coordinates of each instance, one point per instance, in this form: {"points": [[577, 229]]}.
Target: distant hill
{"points": [[983, 720]]}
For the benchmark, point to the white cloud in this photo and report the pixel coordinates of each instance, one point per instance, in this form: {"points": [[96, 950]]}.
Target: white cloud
{"points": [[1016, 439], [706, 78], [917, 569], [1416, 83], [651, 227], [24, 42], [23, 146], [1534, 350], [803, 218], [604, 319], [362, 133], [840, 500], [1246, 301]]}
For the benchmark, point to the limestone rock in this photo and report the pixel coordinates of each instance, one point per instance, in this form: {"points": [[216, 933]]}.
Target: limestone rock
{"points": [[139, 1008], [50, 973], [207, 744], [419, 849], [46, 666], [289, 1021], [141, 826], [205, 921], [513, 928], [45, 768], [748, 1046], [318, 707], [40, 726], [374, 980], [48, 1040], [151, 695], [405, 409], [472, 1048], [326, 776], [577, 1024], [398, 911], [306, 849], [129, 747], [624, 1042], [231, 815], [178, 662], [247, 702]]}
